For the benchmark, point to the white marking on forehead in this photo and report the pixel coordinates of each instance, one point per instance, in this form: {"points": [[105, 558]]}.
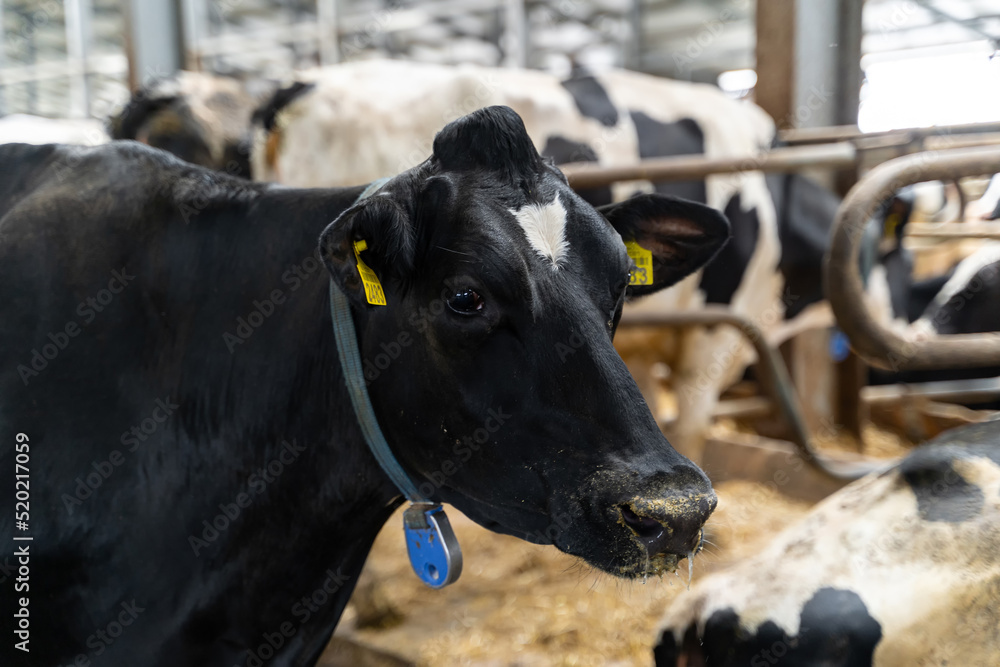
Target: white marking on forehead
{"points": [[545, 227]]}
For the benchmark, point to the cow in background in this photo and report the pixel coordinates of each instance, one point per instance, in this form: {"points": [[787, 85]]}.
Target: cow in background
{"points": [[201, 118], [962, 300], [358, 121], [899, 568]]}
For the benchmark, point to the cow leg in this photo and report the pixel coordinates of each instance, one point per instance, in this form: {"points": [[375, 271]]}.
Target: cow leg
{"points": [[695, 404], [710, 360]]}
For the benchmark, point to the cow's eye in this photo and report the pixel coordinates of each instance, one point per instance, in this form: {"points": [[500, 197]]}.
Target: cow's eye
{"points": [[466, 302]]}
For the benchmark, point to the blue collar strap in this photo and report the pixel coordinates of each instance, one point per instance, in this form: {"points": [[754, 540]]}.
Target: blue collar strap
{"points": [[434, 552]]}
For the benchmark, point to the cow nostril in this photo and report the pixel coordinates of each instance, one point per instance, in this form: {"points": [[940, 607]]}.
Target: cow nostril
{"points": [[642, 525]]}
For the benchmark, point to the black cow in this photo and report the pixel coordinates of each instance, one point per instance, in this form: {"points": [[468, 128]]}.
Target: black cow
{"points": [[200, 492], [898, 568]]}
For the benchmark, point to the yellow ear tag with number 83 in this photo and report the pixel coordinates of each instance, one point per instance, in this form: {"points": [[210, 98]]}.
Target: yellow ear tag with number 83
{"points": [[373, 288], [642, 274]]}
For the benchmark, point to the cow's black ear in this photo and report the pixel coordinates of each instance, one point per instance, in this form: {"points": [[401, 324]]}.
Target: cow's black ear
{"points": [[681, 235], [388, 239]]}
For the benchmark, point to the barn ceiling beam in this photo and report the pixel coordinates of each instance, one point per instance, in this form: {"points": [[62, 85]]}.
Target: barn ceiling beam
{"points": [[809, 61]]}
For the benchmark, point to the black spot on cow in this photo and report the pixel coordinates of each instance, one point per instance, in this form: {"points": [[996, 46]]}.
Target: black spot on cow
{"points": [[683, 137], [127, 123], [835, 630], [942, 493], [922, 293], [805, 213], [722, 276], [563, 151], [972, 309], [592, 100], [667, 652], [266, 114]]}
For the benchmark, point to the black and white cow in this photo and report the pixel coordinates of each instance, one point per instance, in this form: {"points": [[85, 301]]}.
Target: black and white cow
{"points": [[201, 118], [200, 492], [966, 304], [358, 121], [899, 568]]}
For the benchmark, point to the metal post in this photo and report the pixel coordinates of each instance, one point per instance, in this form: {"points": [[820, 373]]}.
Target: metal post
{"points": [[77, 23], [329, 33], [514, 37], [3, 88], [154, 40], [634, 48], [776, 59], [827, 62], [195, 22]]}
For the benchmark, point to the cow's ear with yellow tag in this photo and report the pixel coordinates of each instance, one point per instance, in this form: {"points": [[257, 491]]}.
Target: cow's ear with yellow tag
{"points": [[666, 238], [367, 249]]}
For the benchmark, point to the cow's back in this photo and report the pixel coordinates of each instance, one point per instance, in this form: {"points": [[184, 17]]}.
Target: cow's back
{"points": [[361, 121]]}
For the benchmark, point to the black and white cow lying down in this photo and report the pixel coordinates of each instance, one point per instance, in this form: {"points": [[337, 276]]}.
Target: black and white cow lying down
{"points": [[899, 568], [168, 356]]}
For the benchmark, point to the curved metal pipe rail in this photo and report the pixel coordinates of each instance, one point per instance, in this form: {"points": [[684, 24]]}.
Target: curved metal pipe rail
{"points": [[774, 376], [877, 344]]}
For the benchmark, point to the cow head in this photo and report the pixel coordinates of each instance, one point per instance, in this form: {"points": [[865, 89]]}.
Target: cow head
{"points": [[202, 119], [492, 369]]}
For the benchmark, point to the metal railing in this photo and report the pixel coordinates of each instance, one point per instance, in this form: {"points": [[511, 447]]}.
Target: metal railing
{"points": [[77, 67], [876, 343], [773, 374]]}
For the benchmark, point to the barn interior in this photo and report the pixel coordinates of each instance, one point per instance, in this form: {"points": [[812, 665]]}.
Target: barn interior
{"points": [[868, 98]]}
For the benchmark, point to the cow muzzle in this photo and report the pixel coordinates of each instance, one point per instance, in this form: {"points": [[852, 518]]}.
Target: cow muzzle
{"points": [[657, 516], [668, 528]]}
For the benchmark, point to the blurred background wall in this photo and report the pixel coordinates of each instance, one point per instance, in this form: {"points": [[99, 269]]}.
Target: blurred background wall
{"points": [[924, 61]]}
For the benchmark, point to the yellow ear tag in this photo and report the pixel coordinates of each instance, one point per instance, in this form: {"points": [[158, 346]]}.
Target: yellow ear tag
{"points": [[642, 274], [373, 288], [889, 227]]}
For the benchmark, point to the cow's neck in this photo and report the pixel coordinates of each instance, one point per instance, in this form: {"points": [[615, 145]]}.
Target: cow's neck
{"points": [[323, 511]]}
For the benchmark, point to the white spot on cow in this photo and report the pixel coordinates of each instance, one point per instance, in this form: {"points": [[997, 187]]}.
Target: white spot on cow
{"points": [[545, 227]]}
